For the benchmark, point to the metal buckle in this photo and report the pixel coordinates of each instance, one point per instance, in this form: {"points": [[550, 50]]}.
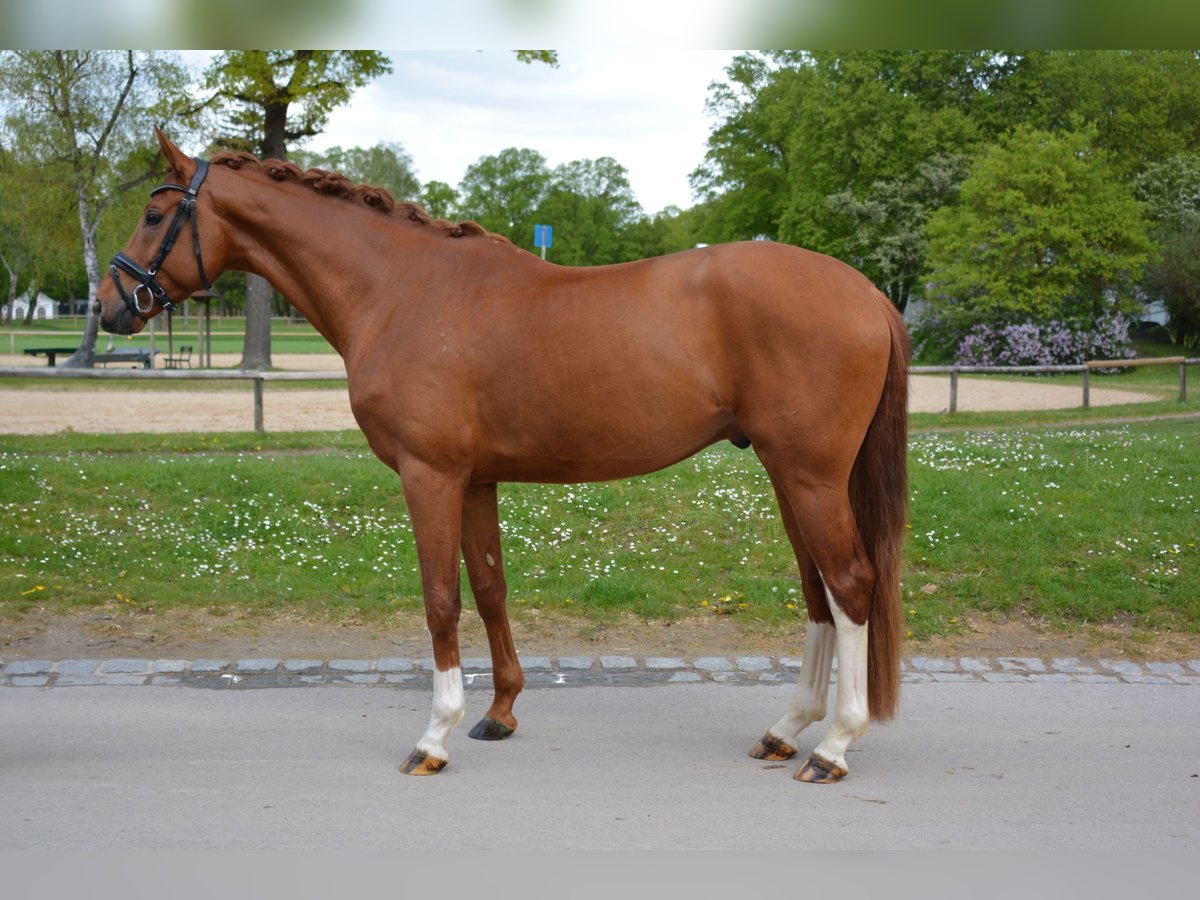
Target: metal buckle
{"points": [[137, 305]]}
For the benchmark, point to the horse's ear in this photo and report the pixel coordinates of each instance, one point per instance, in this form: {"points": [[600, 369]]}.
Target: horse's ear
{"points": [[177, 161]]}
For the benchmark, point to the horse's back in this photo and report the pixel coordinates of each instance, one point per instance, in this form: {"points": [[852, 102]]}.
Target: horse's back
{"points": [[573, 374]]}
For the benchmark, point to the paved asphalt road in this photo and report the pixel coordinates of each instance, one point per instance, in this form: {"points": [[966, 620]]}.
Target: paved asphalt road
{"points": [[1019, 766]]}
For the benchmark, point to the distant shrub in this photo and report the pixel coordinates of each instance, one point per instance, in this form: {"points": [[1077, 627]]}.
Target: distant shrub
{"points": [[1045, 344]]}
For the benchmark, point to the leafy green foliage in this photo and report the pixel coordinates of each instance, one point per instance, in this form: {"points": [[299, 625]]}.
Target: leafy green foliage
{"points": [[800, 127], [831, 150], [1170, 192], [1144, 104], [1176, 276], [743, 179], [502, 192], [386, 164], [39, 225], [269, 99], [591, 207], [1043, 230], [85, 115], [888, 242], [439, 199], [589, 203]]}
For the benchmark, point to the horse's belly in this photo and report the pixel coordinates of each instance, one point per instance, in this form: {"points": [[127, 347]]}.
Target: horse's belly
{"points": [[578, 452]]}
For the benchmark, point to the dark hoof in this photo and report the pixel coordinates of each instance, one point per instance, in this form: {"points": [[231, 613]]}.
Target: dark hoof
{"points": [[488, 729], [419, 763], [772, 748], [819, 771]]}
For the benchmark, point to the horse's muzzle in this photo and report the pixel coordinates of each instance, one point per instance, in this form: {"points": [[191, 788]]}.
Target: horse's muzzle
{"points": [[121, 321]]}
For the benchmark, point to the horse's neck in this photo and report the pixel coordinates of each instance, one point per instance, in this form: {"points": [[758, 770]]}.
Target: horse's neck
{"points": [[323, 253]]}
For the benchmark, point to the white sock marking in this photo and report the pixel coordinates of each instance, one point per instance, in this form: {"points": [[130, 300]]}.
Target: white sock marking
{"points": [[851, 715], [449, 707], [808, 703]]}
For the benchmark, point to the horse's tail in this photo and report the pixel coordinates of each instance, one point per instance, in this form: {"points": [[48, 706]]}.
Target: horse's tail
{"points": [[879, 499]]}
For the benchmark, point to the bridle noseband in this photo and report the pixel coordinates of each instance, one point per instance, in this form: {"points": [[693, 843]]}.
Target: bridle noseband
{"points": [[146, 277]]}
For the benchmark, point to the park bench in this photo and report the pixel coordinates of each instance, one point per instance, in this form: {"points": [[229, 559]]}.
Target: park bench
{"points": [[180, 360], [138, 355], [51, 353]]}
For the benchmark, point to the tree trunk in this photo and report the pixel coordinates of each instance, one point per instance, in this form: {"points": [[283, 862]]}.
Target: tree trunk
{"points": [[256, 351], [85, 356], [12, 291], [31, 309]]}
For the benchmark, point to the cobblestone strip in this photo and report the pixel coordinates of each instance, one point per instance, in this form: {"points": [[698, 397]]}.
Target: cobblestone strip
{"points": [[572, 670]]}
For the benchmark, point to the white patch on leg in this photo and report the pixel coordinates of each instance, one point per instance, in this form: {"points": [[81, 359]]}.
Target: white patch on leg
{"points": [[808, 703], [449, 707], [851, 715]]}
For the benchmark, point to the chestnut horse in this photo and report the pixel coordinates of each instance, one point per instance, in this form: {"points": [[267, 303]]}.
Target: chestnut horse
{"points": [[472, 362]]}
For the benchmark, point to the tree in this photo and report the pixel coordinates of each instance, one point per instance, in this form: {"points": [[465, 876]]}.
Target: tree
{"points": [[668, 231], [439, 199], [39, 227], [270, 99], [1043, 230], [887, 241], [387, 165], [1144, 104], [799, 127], [743, 178], [502, 192], [1170, 193], [1176, 276], [591, 206], [89, 112], [529, 57]]}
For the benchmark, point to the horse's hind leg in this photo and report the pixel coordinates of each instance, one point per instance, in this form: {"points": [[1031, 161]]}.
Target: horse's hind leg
{"points": [[435, 502], [812, 688], [826, 525], [485, 570]]}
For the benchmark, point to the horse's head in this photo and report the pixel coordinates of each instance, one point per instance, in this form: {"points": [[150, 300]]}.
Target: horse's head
{"points": [[153, 272]]}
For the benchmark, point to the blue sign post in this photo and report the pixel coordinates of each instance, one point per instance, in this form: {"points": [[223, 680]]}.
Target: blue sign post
{"points": [[543, 236]]}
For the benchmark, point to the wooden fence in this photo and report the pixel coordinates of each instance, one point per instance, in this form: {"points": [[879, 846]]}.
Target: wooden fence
{"points": [[260, 378], [1084, 369]]}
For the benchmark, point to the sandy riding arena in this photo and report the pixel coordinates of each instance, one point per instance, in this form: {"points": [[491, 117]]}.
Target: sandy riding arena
{"points": [[91, 407]]}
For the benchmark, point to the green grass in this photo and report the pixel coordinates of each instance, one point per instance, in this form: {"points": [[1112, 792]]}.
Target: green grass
{"points": [[1097, 415], [1070, 523], [228, 336]]}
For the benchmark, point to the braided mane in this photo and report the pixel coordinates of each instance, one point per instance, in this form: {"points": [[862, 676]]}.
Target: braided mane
{"points": [[333, 184]]}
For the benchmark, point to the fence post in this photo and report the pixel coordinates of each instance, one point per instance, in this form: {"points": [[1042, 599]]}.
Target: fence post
{"points": [[954, 389], [258, 404], [1087, 386], [1183, 382]]}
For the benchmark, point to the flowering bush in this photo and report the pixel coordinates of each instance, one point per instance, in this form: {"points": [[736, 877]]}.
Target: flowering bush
{"points": [[1047, 344]]}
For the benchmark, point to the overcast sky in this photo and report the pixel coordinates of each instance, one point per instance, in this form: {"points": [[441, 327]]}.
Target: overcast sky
{"points": [[644, 108]]}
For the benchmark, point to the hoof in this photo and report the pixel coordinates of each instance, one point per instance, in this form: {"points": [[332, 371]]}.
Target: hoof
{"points": [[820, 771], [420, 763], [488, 729], [772, 748]]}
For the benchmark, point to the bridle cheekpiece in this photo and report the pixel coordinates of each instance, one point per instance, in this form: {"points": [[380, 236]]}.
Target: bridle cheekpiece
{"points": [[146, 278]]}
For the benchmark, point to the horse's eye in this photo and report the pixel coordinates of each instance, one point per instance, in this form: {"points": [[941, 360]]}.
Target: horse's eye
{"points": [[153, 217]]}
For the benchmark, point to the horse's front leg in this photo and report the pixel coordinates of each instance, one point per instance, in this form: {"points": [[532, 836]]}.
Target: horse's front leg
{"points": [[435, 507], [485, 569]]}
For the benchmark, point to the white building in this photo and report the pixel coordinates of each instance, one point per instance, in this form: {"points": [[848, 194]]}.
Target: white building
{"points": [[45, 307]]}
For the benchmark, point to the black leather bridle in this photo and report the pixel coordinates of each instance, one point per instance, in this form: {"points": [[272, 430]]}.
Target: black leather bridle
{"points": [[146, 278]]}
